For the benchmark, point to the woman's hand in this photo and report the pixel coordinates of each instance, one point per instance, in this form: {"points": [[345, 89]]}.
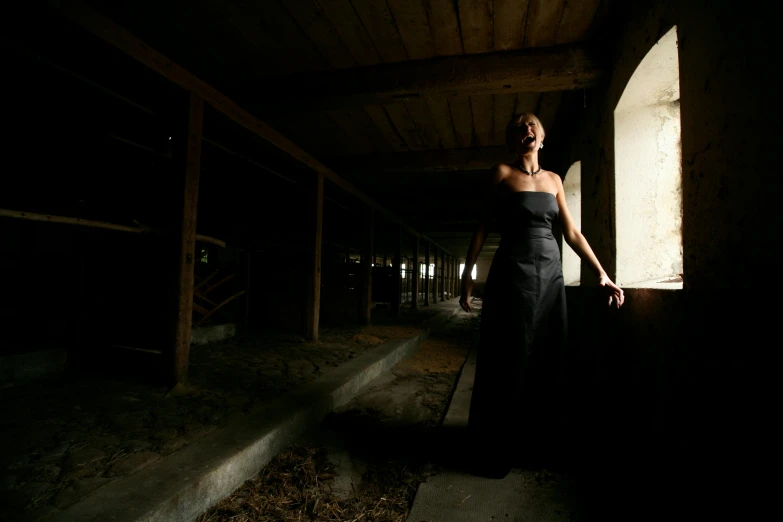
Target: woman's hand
{"points": [[615, 293], [464, 295]]}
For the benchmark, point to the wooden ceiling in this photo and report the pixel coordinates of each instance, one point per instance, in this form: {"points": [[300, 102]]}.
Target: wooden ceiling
{"points": [[375, 87]]}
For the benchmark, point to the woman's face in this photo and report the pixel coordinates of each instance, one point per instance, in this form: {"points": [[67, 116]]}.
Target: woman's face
{"points": [[530, 134]]}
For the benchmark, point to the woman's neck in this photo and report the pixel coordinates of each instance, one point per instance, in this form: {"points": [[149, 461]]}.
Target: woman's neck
{"points": [[529, 161]]}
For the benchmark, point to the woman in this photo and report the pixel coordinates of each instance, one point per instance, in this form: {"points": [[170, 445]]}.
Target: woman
{"points": [[523, 322]]}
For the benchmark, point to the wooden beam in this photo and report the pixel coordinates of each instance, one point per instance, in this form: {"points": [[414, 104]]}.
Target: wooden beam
{"points": [[559, 68], [188, 239], [396, 264], [313, 303], [415, 275], [442, 275], [427, 272], [65, 220], [435, 277], [104, 28], [368, 247], [448, 160]]}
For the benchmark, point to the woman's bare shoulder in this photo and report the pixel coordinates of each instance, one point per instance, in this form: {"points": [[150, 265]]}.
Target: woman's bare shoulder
{"points": [[500, 172]]}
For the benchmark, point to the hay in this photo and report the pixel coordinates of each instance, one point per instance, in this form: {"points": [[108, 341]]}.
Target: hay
{"points": [[294, 486]]}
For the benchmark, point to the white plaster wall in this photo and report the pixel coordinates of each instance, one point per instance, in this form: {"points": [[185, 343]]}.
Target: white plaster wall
{"points": [[572, 185], [648, 193]]}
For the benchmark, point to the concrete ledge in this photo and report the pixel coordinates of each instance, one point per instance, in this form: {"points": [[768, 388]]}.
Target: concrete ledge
{"points": [[185, 484], [209, 334]]}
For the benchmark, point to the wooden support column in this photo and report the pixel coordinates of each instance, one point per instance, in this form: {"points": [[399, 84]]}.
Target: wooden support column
{"points": [[442, 275], [454, 277], [188, 239], [244, 271], [448, 278], [368, 246], [435, 277], [313, 304], [427, 273], [396, 262], [415, 276]]}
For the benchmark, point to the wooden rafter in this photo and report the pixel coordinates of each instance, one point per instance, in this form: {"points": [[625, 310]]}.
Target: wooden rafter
{"points": [[559, 68]]}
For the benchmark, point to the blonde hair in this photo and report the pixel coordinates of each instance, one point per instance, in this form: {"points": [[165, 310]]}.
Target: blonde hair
{"points": [[516, 121]]}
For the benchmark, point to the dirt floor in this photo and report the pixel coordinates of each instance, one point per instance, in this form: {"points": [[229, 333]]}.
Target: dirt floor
{"points": [[64, 437], [367, 459]]}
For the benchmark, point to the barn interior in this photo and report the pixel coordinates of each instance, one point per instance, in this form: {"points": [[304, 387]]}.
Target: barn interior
{"points": [[319, 163]]}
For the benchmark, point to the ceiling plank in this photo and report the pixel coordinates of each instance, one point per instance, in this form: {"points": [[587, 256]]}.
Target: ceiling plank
{"points": [[510, 19], [543, 19], [359, 128], [483, 118], [441, 114], [414, 28], [462, 116], [347, 24], [503, 111], [444, 26], [379, 23], [421, 116], [548, 108], [399, 116], [525, 70], [378, 115], [475, 19], [317, 26], [427, 161], [577, 21], [527, 102]]}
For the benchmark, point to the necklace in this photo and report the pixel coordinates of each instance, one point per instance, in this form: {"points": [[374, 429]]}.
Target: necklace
{"points": [[523, 169]]}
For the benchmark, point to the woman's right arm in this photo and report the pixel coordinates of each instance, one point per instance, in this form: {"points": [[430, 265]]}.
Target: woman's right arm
{"points": [[497, 175]]}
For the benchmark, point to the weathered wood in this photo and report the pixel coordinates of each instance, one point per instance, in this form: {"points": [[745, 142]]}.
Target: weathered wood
{"points": [[378, 115], [380, 25], [548, 69], [102, 27], [543, 20], [462, 116], [450, 160], [188, 239], [396, 264], [439, 108], [503, 109], [422, 118], [320, 30], [217, 307], [510, 17], [415, 276], [442, 275], [351, 30], [444, 26], [475, 18], [368, 247], [414, 28], [527, 102], [435, 274], [65, 220], [483, 118], [576, 21], [427, 273], [398, 114], [313, 298]]}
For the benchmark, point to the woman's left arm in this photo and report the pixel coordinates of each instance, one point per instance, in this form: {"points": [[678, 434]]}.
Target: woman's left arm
{"points": [[579, 244]]}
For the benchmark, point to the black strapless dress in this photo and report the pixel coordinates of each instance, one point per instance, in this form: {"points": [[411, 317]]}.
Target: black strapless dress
{"points": [[519, 372]]}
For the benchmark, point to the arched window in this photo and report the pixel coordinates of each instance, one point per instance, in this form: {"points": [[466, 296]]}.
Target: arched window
{"points": [[572, 186], [648, 179]]}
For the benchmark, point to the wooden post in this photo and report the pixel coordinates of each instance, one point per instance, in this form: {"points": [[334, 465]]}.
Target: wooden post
{"points": [[448, 278], [454, 278], [395, 304], [244, 271], [427, 273], [188, 239], [442, 276], [365, 306], [313, 304], [415, 276], [435, 276]]}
